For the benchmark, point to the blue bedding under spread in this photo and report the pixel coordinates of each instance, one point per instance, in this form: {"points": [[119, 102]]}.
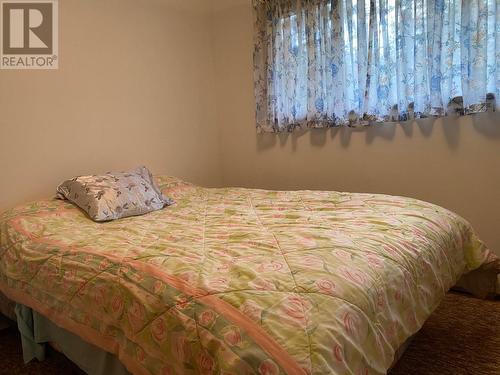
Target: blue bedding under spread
{"points": [[37, 331]]}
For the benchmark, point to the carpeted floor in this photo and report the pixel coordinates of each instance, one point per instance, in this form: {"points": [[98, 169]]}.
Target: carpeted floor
{"points": [[11, 359], [461, 338]]}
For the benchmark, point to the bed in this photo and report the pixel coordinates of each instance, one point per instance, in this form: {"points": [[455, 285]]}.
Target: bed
{"points": [[242, 281]]}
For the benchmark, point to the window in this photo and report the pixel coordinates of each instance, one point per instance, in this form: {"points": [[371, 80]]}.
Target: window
{"points": [[321, 63]]}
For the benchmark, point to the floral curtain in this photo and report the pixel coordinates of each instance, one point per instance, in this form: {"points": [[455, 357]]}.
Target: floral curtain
{"points": [[323, 63]]}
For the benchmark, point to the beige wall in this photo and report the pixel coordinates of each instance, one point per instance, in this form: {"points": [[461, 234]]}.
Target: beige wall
{"points": [[134, 87], [452, 162]]}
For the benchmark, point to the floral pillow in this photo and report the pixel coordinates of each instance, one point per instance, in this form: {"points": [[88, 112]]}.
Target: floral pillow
{"points": [[113, 196]]}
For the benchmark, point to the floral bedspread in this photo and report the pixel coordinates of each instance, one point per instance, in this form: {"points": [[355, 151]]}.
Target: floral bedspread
{"points": [[238, 281]]}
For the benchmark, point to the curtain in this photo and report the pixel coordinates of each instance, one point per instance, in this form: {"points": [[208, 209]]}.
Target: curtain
{"points": [[324, 63]]}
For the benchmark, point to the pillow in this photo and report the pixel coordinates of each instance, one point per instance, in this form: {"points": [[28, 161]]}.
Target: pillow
{"points": [[113, 196]]}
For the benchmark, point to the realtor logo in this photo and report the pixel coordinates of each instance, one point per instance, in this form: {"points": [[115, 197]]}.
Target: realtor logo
{"points": [[29, 34]]}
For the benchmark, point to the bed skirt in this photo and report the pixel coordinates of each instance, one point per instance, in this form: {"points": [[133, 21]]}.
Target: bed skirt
{"points": [[37, 332]]}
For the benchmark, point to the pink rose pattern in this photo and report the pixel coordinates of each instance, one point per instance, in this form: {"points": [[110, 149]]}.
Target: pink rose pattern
{"points": [[180, 348], [136, 316], [268, 367], [311, 262], [273, 266], [262, 284], [232, 336], [159, 329], [327, 286], [296, 309], [206, 363], [207, 318], [306, 266], [252, 310], [117, 305], [218, 284], [338, 353]]}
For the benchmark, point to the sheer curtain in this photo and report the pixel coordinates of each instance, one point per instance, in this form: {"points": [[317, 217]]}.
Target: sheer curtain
{"points": [[322, 63]]}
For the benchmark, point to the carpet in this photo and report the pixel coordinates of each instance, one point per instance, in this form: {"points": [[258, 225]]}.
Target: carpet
{"points": [[462, 337], [11, 359]]}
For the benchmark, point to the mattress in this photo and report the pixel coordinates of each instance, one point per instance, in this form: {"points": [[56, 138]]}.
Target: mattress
{"points": [[242, 281]]}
